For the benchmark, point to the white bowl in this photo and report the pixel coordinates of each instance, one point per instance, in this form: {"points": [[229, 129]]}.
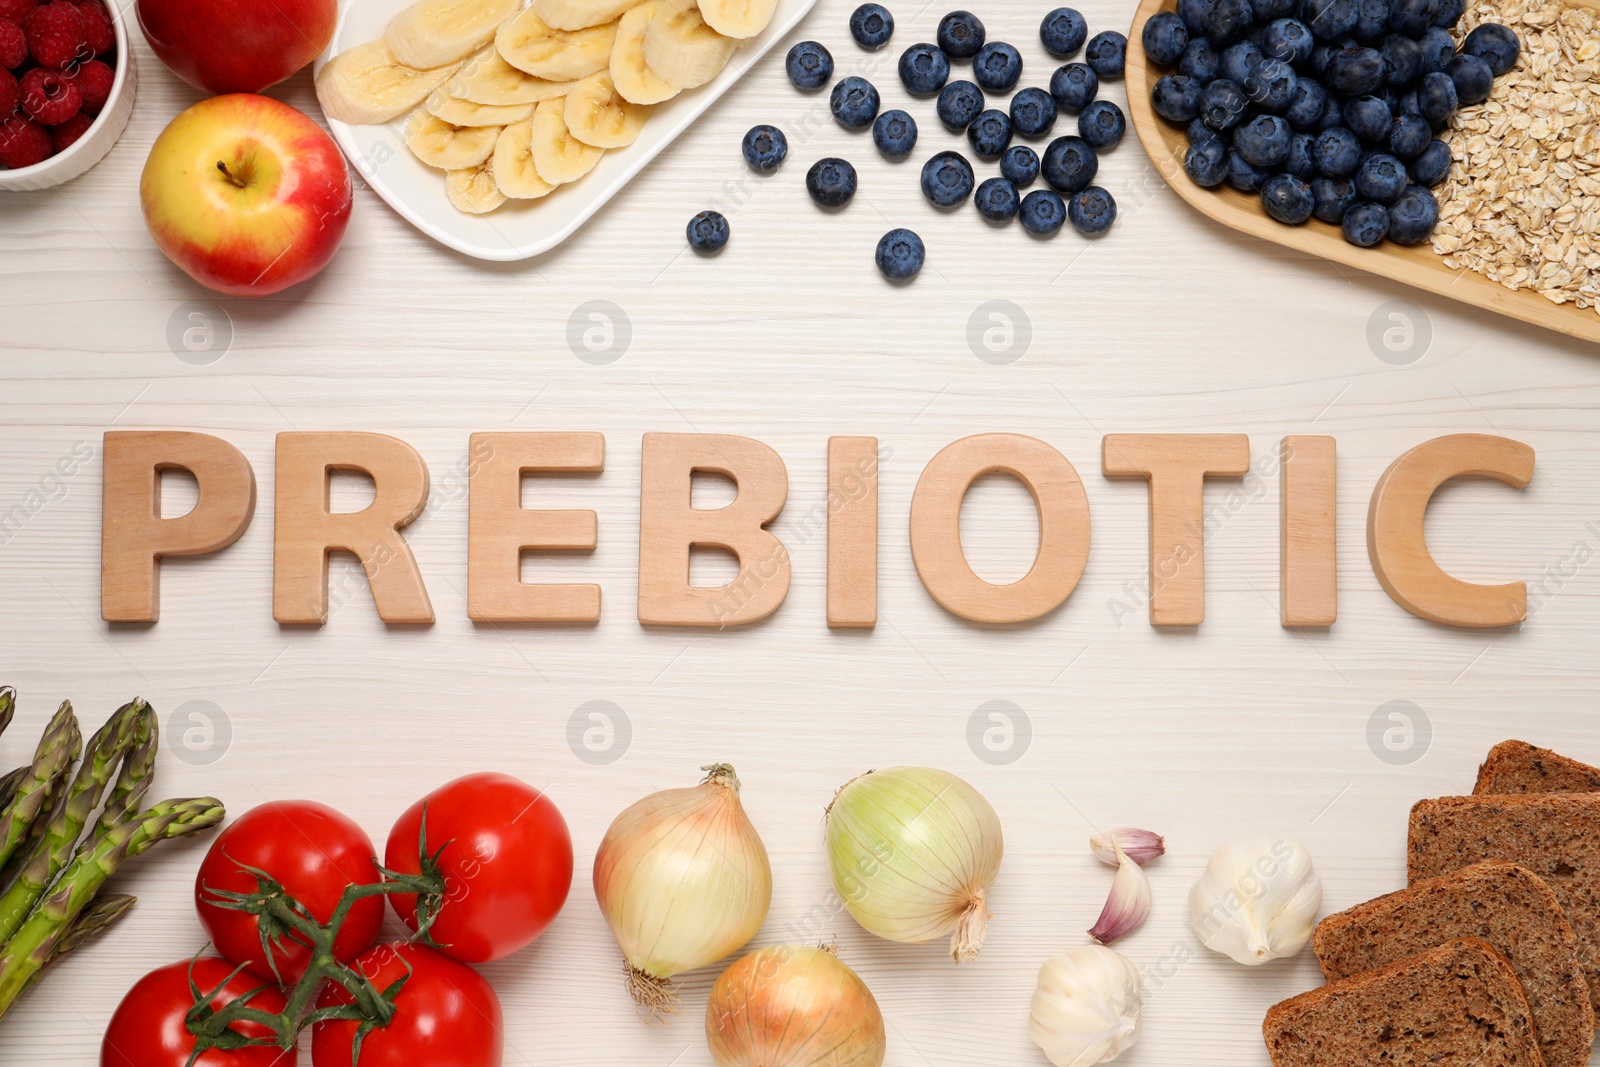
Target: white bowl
{"points": [[520, 229], [97, 140]]}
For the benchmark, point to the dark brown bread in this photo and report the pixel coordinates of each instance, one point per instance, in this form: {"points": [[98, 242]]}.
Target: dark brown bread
{"points": [[1458, 1004], [1518, 767], [1554, 835], [1501, 903]]}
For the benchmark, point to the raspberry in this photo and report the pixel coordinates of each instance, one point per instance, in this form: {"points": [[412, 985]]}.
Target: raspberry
{"points": [[94, 80], [67, 134], [55, 34], [13, 44], [23, 143], [97, 28], [50, 97], [10, 92], [16, 10]]}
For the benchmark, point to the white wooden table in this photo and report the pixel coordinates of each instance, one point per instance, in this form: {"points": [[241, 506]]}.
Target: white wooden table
{"points": [[1168, 324]]}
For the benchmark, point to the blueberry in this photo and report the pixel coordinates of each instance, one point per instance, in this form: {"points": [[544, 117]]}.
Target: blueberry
{"points": [[1354, 71], [1307, 105], [1365, 224], [1333, 198], [871, 25], [1382, 178], [1330, 20], [854, 102], [947, 179], [1271, 85], [1244, 175], [707, 232], [809, 65], [1268, 11], [1222, 105], [1193, 14], [1411, 17], [1239, 60], [1287, 199], [1336, 153], [1409, 104], [1020, 165], [997, 66], [900, 254], [959, 103], [1372, 21], [1437, 48], [1102, 124], [895, 134], [1164, 38], [1073, 86], [1495, 45], [1043, 212], [1228, 21], [1437, 98], [1033, 112], [1368, 118], [1092, 211], [924, 69], [1402, 61], [1200, 61], [831, 182], [1298, 162], [1108, 53], [1206, 162], [1473, 77], [997, 200], [1063, 31], [960, 34], [1198, 131], [990, 133], [1409, 136], [764, 148], [1289, 40], [1069, 164], [1413, 216], [1263, 141], [1432, 166], [1320, 54], [1332, 115], [1449, 12]]}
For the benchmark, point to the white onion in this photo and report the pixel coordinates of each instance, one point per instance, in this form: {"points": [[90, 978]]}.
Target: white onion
{"points": [[794, 1006]]}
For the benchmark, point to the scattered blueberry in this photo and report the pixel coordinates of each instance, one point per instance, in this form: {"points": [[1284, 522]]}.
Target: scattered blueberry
{"points": [[1437, 98], [997, 67], [997, 200], [1069, 164], [1402, 61], [1411, 17], [1354, 71], [1200, 61], [1413, 216], [1336, 153], [1092, 211], [1409, 136], [990, 133], [1263, 141], [1244, 175], [1238, 60], [1073, 86], [707, 231], [1107, 53], [1333, 198], [809, 65], [1228, 21], [947, 179], [871, 25], [900, 254], [1382, 178], [1330, 20], [1332, 115], [1369, 118], [1298, 162], [1307, 104], [1438, 48], [765, 147], [854, 102], [1473, 79], [895, 134], [831, 182], [1020, 165], [1063, 31], [1193, 14], [1271, 85], [1289, 40], [959, 103], [1449, 12], [1206, 162], [1033, 112], [1372, 21], [924, 69], [1222, 105], [960, 34], [1102, 124], [1287, 199], [1433, 165], [1165, 37], [1365, 224], [1042, 212], [1198, 131]]}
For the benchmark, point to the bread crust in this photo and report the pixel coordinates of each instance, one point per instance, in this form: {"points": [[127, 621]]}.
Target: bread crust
{"points": [[1518, 767]]}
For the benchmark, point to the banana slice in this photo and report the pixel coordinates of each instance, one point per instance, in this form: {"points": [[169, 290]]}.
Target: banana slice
{"points": [[738, 18], [474, 189], [431, 33], [597, 116], [558, 156], [487, 78], [580, 14], [534, 47], [681, 49], [466, 113], [447, 147], [629, 72], [514, 169], [367, 86]]}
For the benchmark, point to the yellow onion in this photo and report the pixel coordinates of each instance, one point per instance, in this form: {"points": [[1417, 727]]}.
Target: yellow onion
{"points": [[793, 1006], [683, 880], [914, 853]]}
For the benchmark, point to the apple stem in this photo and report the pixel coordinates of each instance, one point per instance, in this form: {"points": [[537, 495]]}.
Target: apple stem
{"points": [[228, 174]]}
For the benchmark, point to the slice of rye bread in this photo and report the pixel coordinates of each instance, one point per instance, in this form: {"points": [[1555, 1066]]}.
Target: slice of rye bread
{"points": [[1458, 1004], [1509, 907], [1554, 835], [1518, 767]]}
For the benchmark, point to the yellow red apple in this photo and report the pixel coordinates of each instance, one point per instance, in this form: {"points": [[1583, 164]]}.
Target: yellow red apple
{"points": [[246, 194], [237, 46]]}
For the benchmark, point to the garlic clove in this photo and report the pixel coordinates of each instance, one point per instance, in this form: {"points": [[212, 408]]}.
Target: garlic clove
{"points": [[1142, 846], [1086, 1007], [1128, 905], [1257, 900]]}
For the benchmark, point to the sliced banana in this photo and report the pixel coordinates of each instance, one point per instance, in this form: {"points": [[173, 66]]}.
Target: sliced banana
{"points": [[368, 86], [466, 113], [738, 18], [681, 49], [487, 78], [598, 116], [431, 33], [514, 169], [536, 48], [580, 14], [629, 72], [474, 189], [558, 156], [447, 147]]}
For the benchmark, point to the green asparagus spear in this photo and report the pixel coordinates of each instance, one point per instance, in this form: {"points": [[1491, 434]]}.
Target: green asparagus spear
{"points": [[53, 760], [138, 770], [8, 706], [10, 783], [92, 921]]}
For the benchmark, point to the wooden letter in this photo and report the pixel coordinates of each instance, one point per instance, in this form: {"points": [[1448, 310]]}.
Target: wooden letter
{"points": [[134, 536], [1063, 527], [1399, 550], [1308, 505], [853, 532], [670, 527], [307, 531], [500, 530], [1176, 465]]}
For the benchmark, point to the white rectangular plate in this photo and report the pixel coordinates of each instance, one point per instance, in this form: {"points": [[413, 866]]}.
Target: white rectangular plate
{"points": [[520, 229]]}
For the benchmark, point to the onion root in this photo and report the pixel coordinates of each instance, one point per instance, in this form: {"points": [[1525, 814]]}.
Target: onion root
{"points": [[654, 996], [970, 929]]}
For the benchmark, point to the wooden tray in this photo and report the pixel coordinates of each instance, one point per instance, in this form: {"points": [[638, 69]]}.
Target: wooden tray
{"points": [[1416, 265]]}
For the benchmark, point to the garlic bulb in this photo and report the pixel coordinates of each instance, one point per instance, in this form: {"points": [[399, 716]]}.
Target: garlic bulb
{"points": [[1257, 901], [794, 1006], [1086, 1008], [683, 880]]}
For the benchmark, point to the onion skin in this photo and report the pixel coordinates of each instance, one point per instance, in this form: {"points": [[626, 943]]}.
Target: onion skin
{"points": [[794, 1006]]}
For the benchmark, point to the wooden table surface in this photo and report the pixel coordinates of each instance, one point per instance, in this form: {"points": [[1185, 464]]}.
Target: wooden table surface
{"points": [[1168, 324]]}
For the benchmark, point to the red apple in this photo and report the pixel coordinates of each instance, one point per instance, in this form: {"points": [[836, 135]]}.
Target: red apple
{"points": [[246, 194], [237, 46]]}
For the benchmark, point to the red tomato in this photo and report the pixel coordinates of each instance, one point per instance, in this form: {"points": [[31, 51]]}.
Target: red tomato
{"points": [[147, 1028], [447, 1015], [314, 852], [508, 864]]}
